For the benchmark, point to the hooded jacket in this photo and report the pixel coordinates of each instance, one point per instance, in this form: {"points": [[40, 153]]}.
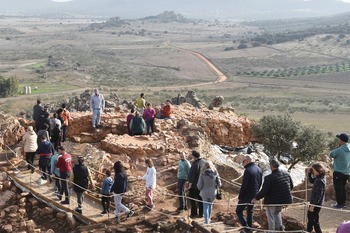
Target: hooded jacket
{"points": [[341, 157], [208, 184], [29, 141], [318, 190], [106, 186]]}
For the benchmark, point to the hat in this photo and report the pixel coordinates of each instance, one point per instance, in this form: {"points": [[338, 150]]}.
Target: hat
{"points": [[344, 137], [30, 128]]}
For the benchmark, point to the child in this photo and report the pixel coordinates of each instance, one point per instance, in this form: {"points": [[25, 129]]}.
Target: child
{"points": [[317, 196], [150, 178], [106, 189]]}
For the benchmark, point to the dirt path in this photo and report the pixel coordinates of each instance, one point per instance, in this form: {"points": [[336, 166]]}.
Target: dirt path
{"points": [[214, 69]]}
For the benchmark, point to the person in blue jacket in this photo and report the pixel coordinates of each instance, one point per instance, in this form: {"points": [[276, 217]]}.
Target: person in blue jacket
{"points": [[119, 188], [105, 191]]}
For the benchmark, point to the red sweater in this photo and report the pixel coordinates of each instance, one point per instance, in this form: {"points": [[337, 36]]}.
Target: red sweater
{"points": [[64, 163], [166, 111]]}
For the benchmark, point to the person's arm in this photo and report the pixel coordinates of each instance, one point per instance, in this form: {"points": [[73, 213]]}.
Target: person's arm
{"points": [[200, 182], [191, 176], [311, 179], [152, 178], [265, 189], [91, 103], [145, 176], [144, 103], [58, 163], [244, 187], [218, 181], [39, 149]]}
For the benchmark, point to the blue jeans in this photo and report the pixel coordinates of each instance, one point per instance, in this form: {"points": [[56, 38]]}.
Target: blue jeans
{"points": [[149, 123], [239, 211], [64, 132], [207, 208], [96, 117]]}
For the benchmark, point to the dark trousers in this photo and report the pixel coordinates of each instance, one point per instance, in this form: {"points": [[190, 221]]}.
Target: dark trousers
{"points": [[239, 211], [313, 220], [181, 183], [136, 133], [58, 183], [56, 141], [45, 165], [64, 184], [149, 123], [339, 182], [64, 132], [80, 199], [194, 193], [105, 203], [30, 159]]}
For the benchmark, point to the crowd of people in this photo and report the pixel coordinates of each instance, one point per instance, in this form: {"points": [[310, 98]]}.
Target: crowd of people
{"points": [[201, 179]]}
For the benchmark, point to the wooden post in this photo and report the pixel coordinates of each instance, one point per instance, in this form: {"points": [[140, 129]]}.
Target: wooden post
{"points": [[199, 227], [184, 225]]}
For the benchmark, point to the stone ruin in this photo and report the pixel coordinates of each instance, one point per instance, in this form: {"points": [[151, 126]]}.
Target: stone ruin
{"points": [[191, 98]]}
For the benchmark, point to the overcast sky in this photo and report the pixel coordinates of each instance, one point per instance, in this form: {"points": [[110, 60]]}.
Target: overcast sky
{"points": [[204, 9]]}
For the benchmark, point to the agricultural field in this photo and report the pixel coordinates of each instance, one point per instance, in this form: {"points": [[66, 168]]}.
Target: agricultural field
{"points": [[306, 78]]}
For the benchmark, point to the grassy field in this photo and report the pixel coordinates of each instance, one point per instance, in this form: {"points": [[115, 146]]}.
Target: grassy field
{"points": [[130, 59]]}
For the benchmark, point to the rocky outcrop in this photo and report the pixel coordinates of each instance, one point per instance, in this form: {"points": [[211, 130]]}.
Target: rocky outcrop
{"points": [[217, 102], [190, 98], [11, 130]]}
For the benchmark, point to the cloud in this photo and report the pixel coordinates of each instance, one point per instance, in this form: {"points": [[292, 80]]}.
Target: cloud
{"points": [[347, 1]]}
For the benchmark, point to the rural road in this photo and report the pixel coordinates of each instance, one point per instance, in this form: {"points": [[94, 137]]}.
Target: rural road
{"points": [[214, 69]]}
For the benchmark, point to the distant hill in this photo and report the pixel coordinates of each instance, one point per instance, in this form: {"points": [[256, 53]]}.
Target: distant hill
{"points": [[111, 23], [167, 17]]}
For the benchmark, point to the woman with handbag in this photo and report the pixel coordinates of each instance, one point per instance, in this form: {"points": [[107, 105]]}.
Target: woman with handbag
{"points": [[208, 183]]}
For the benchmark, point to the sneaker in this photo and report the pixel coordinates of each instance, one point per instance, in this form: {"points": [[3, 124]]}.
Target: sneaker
{"points": [[337, 206], [193, 216], [50, 178], [43, 178], [180, 210], [117, 218], [131, 213], [104, 212], [80, 211], [65, 202], [200, 216]]}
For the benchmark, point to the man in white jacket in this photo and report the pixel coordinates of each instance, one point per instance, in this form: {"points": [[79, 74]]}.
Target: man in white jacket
{"points": [[151, 179]]}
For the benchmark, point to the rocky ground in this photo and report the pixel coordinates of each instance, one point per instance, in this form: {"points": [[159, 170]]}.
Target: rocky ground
{"points": [[190, 128]]}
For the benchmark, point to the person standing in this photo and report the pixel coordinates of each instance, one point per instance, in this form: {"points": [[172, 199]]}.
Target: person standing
{"points": [[137, 125], [151, 181], [55, 127], [193, 177], [119, 188], [341, 169], [182, 177], [140, 104], [317, 196], [43, 119], [64, 164], [56, 172], [97, 105], [66, 117], [166, 110], [252, 179], [128, 120], [44, 131], [149, 115], [208, 183], [30, 146], [37, 111], [105, 191], [276, 191], [80, 178], [45, 150]]}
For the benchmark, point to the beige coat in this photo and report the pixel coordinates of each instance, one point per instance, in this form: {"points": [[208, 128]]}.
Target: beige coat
{"points": [[29, 141]]}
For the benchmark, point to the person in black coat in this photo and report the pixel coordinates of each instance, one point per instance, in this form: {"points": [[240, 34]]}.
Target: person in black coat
{"points": [[251, 184], [193, 177], [119, 188], [276, 191]]}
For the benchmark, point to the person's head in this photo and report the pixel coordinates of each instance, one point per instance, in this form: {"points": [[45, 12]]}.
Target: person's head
{"points": [[30, 129], [38, 101], [44, 138], [45, 126], [46, 109], [64, 105], [343, 138], [196, 155], [168, 102], [246, 160], [136, 113], [61, 150], [142, 95], [80, 160], [47, 115], [149, 162], [132, 110], [182, 156], [108, 173], [96, 92], [318, 169], [208, 165], [149, 105], [59, 111], [118, 167], [274, 164], [55, 115]]}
